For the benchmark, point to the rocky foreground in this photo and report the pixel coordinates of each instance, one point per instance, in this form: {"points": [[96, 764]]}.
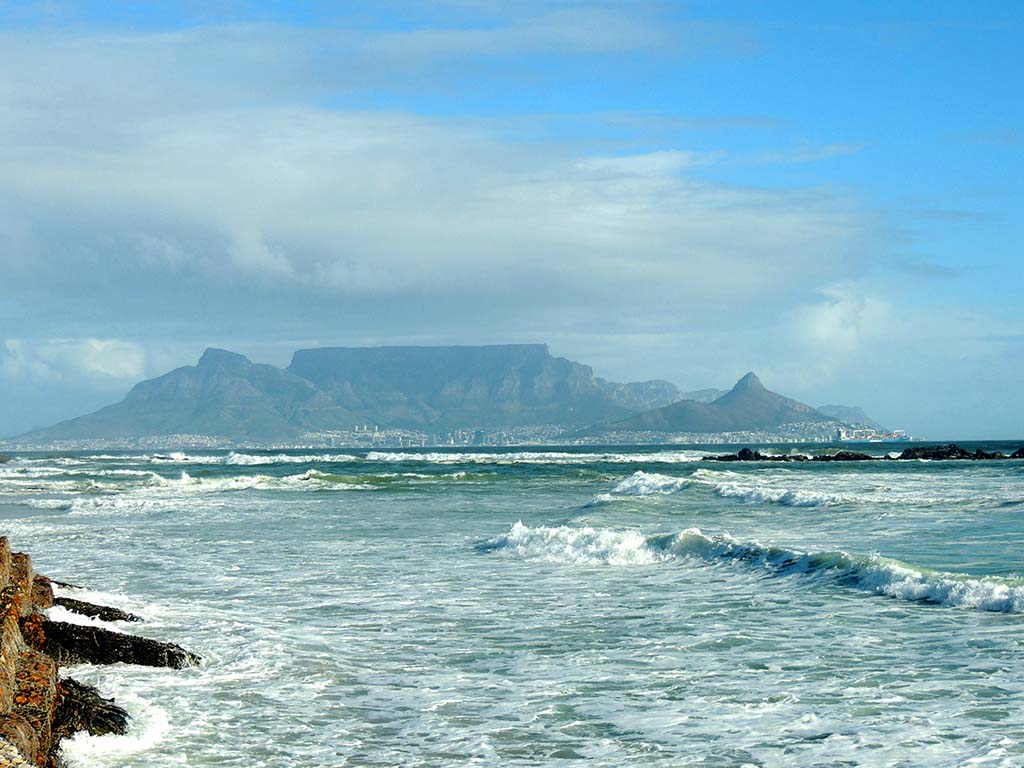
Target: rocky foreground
{"points": [[38, 708], [950, 452]]}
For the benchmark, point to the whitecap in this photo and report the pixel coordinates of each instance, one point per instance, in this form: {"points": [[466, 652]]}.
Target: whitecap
{"points": [[872, 573]]}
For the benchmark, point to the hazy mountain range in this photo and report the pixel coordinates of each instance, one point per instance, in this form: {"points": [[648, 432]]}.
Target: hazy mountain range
{"points": [[429, 389], [850, 415], [748, 406]]}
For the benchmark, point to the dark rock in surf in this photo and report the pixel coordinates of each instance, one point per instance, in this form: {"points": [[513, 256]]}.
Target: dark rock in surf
{"points": [[102, 612], [951, 452], [1018, 454], [980, 455], [744, 454], [75, 644], [845, 456], [81, 708]]}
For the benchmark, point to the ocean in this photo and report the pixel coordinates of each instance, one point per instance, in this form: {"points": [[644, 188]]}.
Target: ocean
{"points": [[524, 607]]}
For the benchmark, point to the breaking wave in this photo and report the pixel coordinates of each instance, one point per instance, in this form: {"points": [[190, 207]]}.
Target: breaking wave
{"points": [[249, 459], [871, 573], [642, 483], [539, 457], [311, 479], [730, 485], [578, 546], [755, 494]]}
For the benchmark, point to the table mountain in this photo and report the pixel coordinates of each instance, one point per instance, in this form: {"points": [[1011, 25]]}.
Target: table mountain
{"points": [[427, 388]]}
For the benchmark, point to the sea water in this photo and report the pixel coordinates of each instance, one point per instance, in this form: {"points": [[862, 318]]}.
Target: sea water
{"points": [[543, 607]]}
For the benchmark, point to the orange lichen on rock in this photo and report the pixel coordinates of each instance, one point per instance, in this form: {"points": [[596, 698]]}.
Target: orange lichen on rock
{"points": [[36, 709], [42, 593]]}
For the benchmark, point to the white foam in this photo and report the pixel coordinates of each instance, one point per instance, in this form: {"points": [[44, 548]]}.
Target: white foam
{"points": [[640, 484], [147, 727], [538, 457], [754, 494], [57, 504], [907, 583], [580, 546], [248, 459], [649, 484], [117, 600], [60, 613], [607, 546]]}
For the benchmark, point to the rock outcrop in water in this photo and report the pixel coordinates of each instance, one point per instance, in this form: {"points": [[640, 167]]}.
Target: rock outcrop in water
{"points": [[37, 708], [953, 452], [745, 455], [950, 452]]}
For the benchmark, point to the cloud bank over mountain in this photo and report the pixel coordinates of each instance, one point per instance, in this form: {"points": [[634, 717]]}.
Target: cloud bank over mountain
{"points": [[265, 183]]}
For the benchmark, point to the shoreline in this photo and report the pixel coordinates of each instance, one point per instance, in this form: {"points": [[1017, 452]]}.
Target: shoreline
{"points": [[38, 708]]}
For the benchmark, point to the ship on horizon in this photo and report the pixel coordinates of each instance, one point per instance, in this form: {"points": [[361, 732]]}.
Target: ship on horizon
{"points": [[870, 435]]}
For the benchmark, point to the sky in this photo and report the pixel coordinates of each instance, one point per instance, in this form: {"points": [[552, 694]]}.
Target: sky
{"points": [[829, 194]]}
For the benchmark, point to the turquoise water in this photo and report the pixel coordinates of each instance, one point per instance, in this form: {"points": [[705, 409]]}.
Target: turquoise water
{"points": [[544, 607]]}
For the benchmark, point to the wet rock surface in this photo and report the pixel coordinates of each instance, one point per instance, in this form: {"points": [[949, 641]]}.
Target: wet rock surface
{"points": [[936, 453], [82, 708], [102, 612], [75, 644], [37, 709]]}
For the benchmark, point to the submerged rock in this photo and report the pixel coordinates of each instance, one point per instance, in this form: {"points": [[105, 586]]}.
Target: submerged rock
{"points": [[75, 644], [102, 612]]}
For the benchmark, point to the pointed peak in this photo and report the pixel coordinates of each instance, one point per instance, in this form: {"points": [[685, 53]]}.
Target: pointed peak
{"points": [[750, 381], [222, 358]]}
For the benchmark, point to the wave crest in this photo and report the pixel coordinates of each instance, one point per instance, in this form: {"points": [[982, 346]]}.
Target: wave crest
{"points": [[872, 573], [577, 546]]}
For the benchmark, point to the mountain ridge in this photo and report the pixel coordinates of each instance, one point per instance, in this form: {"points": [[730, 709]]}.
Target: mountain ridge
{"points": [[421, 389], [748, 406], [333, 388]]}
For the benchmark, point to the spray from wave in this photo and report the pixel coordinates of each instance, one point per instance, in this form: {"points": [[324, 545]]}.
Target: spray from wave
{"points": [[641, 484]]}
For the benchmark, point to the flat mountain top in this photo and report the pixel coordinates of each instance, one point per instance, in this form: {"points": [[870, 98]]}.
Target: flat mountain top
{"points": [[337, 388]]}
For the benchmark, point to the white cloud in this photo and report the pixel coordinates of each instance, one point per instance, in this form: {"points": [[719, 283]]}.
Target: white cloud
{"points": [[393, 204], [841, 324], [107, 363], [177, 188]]}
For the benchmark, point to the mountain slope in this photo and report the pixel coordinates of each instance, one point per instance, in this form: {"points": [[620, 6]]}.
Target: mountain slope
{"points": [[225, 395], [702, 395], [853, 415], [748, 406], [449, 387]]}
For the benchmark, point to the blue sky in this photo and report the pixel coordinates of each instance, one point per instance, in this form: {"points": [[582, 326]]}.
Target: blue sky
{"points": [[827, 193]]}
